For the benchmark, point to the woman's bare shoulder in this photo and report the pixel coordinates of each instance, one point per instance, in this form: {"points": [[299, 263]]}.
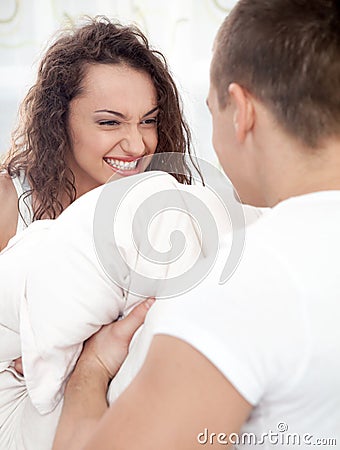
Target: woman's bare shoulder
{"points": [[6, 183], [8, 209]]}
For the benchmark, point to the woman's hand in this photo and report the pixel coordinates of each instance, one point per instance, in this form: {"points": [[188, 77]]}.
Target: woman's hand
{"points": [[108, 348], [18, 366]]}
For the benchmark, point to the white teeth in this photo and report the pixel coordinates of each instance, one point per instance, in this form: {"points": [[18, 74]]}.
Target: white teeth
{"points": [[122, 165]]}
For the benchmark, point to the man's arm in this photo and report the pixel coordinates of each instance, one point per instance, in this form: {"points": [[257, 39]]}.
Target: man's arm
{"points": [[85, 394], [175, 397], [84, 404]]}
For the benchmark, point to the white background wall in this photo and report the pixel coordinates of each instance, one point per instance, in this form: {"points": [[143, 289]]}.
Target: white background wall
{"points": [[183, 30]]}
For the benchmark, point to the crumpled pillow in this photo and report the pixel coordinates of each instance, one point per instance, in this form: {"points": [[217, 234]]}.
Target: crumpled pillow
{"points": [[14, 261], [71, 290]]}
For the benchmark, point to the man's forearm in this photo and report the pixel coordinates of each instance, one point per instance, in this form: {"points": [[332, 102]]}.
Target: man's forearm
{"points": [[85, 394], [84, 404]]}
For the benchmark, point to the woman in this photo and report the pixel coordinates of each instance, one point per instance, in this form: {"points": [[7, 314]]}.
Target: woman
{"points": [[102, 100]]}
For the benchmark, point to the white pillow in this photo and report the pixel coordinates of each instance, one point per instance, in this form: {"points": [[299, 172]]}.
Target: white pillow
{"points": [[14, 261], [88, 271]]}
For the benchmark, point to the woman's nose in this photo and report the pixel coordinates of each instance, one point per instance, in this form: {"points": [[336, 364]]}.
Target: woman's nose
{"points": [[133, 143]]}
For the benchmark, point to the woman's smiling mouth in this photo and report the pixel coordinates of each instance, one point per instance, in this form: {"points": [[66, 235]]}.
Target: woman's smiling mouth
{"points": [[124, 167]]}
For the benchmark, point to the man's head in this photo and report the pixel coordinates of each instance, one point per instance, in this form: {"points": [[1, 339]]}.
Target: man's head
{"points": [[286, 55]]}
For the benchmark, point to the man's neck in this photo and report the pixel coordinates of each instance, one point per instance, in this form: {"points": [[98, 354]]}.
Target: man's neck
{"points": [[294, 174]]}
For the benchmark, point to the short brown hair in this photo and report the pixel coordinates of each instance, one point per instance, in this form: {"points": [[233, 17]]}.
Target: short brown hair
{"points": [[41, 141], [287, 54]]}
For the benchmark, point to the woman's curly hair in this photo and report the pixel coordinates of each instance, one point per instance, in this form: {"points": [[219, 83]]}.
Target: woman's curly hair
{"points": [[41, 140]]}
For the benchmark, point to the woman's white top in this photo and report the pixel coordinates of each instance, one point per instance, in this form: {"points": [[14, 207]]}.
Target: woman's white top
{"points": [[25, 202]]}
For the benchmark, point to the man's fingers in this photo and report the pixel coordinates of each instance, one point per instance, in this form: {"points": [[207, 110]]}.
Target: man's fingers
{"points": [[129, 325], [109, 346]]}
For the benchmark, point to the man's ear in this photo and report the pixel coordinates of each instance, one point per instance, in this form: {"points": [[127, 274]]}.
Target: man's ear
{"points": [[243, 111]]}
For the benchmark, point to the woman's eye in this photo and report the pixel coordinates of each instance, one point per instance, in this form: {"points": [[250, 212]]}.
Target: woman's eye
{"points": [[151, 121], [108, 123]]}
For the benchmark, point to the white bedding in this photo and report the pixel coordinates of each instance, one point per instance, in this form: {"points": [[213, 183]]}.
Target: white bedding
{"points": [[68, 295]]}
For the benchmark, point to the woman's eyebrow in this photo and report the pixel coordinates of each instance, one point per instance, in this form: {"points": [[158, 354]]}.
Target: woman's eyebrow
{"points": [[116, 113], [151, 111]]}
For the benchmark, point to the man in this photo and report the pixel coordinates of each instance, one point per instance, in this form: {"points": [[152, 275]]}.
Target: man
{"points": [[258, 355]]}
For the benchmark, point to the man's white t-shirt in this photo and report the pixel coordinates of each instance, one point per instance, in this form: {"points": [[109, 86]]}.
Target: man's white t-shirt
{"points": [[273, 329]]}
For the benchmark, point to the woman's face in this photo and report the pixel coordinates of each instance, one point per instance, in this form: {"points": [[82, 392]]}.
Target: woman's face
{"points": [[112, 123]]}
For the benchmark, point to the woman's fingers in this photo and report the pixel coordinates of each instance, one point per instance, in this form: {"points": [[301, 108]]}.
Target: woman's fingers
{"points": [[18, 366]]}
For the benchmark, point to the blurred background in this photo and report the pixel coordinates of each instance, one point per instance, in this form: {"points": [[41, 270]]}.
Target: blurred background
{"points": [[183, 30]]}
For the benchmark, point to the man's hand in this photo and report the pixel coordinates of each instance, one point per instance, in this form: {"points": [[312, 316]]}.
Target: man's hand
{"points": [[99, 347], [109, 347], [85, 394]]}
